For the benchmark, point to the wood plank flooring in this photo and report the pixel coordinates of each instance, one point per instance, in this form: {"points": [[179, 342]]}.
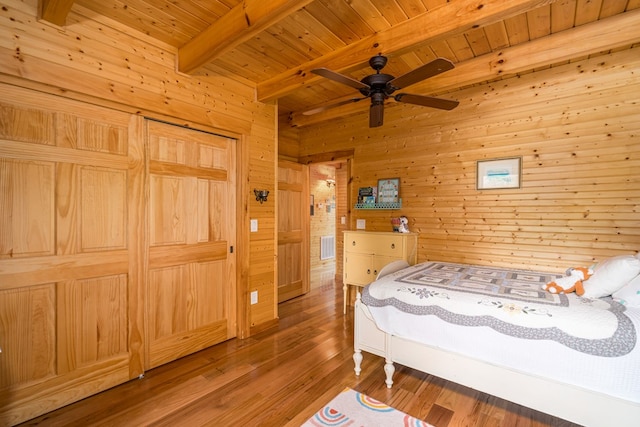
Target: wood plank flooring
{"points": [[283, 376]]}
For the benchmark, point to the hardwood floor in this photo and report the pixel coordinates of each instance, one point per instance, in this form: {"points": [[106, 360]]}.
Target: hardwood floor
{"points": [[283, 376]]}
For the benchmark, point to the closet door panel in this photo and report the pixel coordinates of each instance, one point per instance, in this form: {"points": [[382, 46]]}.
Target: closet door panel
{"points": [[71, 176], [191, 264]]}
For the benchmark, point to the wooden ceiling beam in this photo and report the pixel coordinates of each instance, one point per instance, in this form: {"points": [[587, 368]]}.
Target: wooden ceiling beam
{"points": [[55, 11], [610, 33], [241, 23], [437, 24]]}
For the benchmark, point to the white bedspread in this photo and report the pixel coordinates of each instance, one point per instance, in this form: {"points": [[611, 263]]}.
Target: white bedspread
{"points": [[503, 317]]}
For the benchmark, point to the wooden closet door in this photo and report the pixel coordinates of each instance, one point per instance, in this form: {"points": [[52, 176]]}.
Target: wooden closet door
{"points": [[71, 192], [293, 230], [191, 262]]}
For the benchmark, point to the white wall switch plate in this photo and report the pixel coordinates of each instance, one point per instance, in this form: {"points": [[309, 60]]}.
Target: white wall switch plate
{"points": [[254, 225], [361, 224], [343, 220], [254, 297]]}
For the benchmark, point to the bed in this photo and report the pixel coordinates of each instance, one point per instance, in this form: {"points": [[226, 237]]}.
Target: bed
{"points": [[499, 332]]}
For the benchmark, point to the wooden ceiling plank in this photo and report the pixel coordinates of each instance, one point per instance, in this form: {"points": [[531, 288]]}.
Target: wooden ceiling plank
{"points": [[432, 4], [412, 8], [242, 59], [302, 38], [617, 31], [563, 15], [539, 21], [391, 11], [460, 47], [587, 11], [207, 10], [348, 17], [497, 35], [612, 7], [55, 11], [138, 20], [517, 29], [243, 22], [478, 41], [325, 14], [371, 15], [297, 40], [174, 14], [437, 24], [156, 17], [317, 30]]}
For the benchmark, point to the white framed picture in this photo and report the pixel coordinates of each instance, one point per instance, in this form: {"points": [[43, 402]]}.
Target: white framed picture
{"points": [[499, 173], [388, 190]]}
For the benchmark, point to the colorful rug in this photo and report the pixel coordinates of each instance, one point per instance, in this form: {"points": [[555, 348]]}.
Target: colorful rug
{"points": [[351, 408]]}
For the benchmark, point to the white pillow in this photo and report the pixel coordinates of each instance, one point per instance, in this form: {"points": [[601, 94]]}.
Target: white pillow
{"points": [[611, 275], [629, 295]]}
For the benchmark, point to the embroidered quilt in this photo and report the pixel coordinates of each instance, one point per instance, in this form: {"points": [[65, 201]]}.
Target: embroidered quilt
{"points": [[511, 302]]}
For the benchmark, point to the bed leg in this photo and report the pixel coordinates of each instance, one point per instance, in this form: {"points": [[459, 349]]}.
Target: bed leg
{"points": [[389, 369], [357, 359]]}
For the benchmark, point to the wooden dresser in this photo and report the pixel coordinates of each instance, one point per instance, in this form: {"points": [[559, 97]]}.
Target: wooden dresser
{"points": [[366, 252]]}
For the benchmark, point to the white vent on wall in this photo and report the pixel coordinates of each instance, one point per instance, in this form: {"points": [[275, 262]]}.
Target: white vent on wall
{"points": [[327, 247]]}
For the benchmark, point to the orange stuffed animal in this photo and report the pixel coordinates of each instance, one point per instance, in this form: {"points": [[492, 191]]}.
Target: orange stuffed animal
{"points": [[570, 283]]}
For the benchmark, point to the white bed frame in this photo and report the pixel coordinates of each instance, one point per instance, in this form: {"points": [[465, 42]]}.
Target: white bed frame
{"points": [[561, 400]]}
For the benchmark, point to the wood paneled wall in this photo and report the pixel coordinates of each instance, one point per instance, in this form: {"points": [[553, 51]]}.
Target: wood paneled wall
{"points": [[288, 140], [96, 60], [576, 127]]}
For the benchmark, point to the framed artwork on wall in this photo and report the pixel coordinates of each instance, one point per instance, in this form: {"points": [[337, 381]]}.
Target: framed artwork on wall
{"points": [[499, 173], [388, 190]]}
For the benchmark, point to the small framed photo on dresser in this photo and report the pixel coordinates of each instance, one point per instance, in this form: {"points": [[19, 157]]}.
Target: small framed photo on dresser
{"points": [[388, 190]]}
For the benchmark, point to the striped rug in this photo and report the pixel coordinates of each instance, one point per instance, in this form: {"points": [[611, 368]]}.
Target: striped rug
{"points": [[351, 408]]}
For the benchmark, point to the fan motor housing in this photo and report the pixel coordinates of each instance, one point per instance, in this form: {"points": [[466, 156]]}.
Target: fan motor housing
{"points": [[377, 84]]}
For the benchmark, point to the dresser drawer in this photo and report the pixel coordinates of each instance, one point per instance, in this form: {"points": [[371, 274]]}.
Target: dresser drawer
{"points": [[389, 245], [374, 243]]}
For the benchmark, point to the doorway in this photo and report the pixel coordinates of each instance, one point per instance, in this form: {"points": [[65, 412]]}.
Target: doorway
{"points": [[329, 217]]}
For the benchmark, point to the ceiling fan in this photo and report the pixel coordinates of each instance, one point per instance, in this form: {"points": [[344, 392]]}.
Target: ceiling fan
{"points": [[379, 87]]}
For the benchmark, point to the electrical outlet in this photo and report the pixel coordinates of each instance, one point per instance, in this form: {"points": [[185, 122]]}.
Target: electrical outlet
{"points": [[254, 225], [361, 224], [254, 297]]}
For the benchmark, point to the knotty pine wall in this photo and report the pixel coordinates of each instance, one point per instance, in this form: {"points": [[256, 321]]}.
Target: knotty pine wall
{"points": [[577, 129], [96, 60]]}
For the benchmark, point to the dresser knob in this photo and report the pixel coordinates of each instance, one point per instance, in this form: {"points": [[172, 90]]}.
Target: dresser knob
{"points": [[368, 271], [393, 246], [353, 243]]}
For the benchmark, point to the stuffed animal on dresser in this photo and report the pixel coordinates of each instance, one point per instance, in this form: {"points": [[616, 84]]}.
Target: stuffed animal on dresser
{"points": [[570, 283], [404, 225]]}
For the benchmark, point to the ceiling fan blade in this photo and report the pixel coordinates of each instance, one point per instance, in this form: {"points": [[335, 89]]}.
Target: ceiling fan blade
{"points": [[340, 78], [326, 107], [426, 101], [376, 115], [433, 68]]}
